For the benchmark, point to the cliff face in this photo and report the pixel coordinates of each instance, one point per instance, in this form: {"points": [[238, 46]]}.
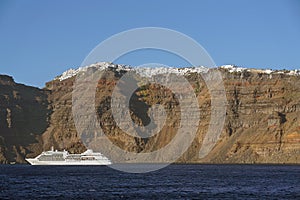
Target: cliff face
{"points": [[24, 113], [261, 126]]}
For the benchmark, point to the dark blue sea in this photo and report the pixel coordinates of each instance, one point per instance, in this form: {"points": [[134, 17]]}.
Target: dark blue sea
{"points": [[172, 182]]}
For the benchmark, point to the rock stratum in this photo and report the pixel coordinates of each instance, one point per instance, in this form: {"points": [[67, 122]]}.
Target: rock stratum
{"points": [[262, 122]]}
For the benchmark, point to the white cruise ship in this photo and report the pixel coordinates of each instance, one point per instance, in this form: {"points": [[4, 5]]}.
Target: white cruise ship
{"points": [[64, 158]]}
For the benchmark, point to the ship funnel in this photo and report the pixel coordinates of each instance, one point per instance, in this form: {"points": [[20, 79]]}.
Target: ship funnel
{"points": [[52, 148]]}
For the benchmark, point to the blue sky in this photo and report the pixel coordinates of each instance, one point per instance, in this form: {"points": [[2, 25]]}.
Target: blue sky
{"points": [[41, 39]]}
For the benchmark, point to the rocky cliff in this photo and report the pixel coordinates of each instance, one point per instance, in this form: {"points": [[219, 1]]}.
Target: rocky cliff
{"points": [[24, 117], [261, 125]]}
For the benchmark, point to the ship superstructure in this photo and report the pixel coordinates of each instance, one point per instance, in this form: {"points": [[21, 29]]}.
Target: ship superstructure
{"points": [[55, 157]]}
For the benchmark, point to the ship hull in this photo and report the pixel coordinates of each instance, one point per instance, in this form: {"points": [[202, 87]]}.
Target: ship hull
{"points": [[64, 158], [93, 162]]}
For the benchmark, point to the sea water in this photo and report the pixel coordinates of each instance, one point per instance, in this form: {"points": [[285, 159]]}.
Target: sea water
{"points": [[172, 182]]}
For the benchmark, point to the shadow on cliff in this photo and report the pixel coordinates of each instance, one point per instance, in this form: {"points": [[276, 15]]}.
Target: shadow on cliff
{"points": [[24, 113]]}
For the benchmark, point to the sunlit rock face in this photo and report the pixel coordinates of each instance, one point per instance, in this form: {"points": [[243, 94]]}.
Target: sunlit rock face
{"points": [[261, 125]]}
